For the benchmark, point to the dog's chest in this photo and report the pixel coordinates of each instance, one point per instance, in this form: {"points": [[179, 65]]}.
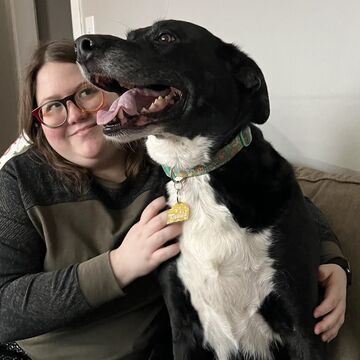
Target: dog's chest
{"points": [[226, 270]]}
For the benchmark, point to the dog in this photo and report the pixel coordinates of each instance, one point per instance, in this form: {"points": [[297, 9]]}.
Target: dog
{"points": [[245, 284]]}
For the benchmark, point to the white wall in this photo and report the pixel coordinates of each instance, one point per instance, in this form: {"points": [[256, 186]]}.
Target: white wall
{"points": [[308, 50]]}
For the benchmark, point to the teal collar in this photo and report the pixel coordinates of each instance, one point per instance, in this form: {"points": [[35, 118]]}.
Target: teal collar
{"points": [[243, 139]]}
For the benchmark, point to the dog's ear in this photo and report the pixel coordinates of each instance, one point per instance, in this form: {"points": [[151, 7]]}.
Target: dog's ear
{"points": [[250, 79]]}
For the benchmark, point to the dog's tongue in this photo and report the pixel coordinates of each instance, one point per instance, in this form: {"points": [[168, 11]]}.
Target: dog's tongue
{"points": [[126, 102]]}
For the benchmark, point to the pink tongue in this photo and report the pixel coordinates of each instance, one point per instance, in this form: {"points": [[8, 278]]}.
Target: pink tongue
{"points": [[126, 102]]}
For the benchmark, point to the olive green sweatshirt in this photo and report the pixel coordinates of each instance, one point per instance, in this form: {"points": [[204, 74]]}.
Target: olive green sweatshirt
{"points": [[59, 298]]}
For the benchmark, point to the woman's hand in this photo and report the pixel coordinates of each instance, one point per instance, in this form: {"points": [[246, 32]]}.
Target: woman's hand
{"points": [[333, 279], [142, 249]]}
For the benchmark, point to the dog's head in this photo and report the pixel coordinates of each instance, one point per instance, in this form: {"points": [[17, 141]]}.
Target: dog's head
{"points": [[207, 87]]}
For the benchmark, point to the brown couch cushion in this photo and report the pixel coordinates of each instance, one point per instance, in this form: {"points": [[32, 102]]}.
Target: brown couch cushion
{"points": [[338, 197]]}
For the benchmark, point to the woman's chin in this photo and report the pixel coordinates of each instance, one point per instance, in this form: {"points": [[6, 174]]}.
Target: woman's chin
{"points": [[87, 154]]}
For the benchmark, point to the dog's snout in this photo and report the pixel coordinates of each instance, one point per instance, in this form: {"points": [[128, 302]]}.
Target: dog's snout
{"points": [[84, 47]]}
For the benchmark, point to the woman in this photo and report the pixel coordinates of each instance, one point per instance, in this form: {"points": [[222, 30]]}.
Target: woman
{"points": [[66, 206], [78, 242]]}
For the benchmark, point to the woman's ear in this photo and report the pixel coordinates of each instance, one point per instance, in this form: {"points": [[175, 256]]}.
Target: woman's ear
{"points": [[250, 80]]}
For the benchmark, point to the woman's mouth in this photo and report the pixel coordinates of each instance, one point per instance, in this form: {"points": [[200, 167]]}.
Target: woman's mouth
{"points": [[84, 129]]}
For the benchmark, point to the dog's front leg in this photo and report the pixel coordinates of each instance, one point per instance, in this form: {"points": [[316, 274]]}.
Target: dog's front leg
{"points": [[186, 329]]}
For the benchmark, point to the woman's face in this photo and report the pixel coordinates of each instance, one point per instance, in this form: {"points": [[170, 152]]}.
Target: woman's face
{"points": [[80, 140]]}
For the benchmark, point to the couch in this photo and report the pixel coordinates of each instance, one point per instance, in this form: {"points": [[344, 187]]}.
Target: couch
{"points": [[338, 197]]}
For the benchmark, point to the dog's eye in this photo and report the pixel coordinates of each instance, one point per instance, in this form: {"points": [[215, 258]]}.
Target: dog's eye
{"points": [[166, 37]]}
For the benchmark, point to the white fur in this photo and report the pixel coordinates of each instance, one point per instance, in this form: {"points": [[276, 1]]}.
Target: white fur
{"points": [[226, 268], [177, 151]]}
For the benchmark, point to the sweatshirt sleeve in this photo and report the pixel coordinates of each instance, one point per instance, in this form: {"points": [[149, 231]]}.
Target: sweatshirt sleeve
{"points": [[330, 248], [103, 285], [31, 301]]}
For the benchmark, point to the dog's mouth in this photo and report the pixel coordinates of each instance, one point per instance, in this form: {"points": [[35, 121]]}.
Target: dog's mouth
{"points": [[136, 106]]}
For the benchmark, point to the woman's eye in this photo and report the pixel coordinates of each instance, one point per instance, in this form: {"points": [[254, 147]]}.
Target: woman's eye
{"points": [[166, 37], [87, 92], [52, 107]]}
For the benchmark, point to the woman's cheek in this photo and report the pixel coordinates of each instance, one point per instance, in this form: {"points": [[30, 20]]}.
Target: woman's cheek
{"points": [[109, 98], [55, 137]]}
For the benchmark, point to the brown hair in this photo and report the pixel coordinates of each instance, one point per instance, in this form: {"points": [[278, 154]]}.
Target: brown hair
{"points": [[73, 176]]}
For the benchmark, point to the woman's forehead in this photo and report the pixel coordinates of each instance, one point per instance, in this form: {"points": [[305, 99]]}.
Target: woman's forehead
{"points": [[56, 80]]}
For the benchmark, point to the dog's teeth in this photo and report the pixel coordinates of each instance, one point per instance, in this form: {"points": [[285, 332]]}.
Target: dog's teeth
{"points": [[121, 115], [153, 107], [144, 110], [159, 100], [177, 92], [126, 85], [157, 104]]}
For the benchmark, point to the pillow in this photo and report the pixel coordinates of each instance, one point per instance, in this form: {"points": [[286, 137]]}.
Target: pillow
{"points": [[20, 145]]}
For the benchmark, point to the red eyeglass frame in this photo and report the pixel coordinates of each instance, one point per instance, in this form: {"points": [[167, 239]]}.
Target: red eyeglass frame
{"points": [[36, 112]]}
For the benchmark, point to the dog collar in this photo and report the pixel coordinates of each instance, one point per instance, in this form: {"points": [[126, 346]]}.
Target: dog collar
{"points": [[243, 139]]}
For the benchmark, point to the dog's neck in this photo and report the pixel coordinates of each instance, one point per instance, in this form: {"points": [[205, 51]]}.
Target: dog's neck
{"points": [[182, 157]]}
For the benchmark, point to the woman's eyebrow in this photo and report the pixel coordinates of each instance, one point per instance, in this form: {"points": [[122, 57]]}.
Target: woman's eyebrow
{"points": [[59, 97]]}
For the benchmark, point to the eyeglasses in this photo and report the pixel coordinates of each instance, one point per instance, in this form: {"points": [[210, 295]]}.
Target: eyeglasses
{"points": [[54, 113]]}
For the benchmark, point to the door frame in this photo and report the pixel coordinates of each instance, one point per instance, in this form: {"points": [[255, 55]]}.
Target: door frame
{"points": [[77, 18]]}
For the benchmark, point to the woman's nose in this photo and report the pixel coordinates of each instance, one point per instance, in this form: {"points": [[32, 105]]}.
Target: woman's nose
{"points": [[75, 114]]}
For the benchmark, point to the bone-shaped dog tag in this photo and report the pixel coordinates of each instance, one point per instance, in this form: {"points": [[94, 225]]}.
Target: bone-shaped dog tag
{"points": [[179, 212]]}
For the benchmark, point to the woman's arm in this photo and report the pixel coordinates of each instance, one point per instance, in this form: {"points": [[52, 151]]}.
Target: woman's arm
{"points": [[31, 301], [330, 248], [334, 276]]}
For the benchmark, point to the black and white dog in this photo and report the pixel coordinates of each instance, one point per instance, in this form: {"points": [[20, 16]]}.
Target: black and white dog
{"points": [[245, 283]]}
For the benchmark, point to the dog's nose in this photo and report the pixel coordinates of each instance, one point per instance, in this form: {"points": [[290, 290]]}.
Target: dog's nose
{"points": [[84, 47]]}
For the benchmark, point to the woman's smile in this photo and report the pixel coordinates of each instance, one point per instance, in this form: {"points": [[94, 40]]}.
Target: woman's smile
{"points": [[84, 130]]}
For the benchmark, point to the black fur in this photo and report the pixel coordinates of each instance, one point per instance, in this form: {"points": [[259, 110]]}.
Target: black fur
{"points": [[224, 91]]}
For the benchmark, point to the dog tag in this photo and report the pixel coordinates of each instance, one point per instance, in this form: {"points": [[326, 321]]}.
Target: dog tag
{"points": [[179, 212]]}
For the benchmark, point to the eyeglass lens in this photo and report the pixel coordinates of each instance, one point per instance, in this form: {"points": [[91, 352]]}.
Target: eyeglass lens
{"points": [[87, 98]]}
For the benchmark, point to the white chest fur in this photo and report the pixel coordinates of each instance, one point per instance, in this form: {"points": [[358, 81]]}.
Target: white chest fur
{"points": [[225, 268]]}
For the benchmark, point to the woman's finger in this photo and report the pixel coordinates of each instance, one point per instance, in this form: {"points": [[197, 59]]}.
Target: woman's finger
{"points": [[152, 209], [166, 253], [333, 320], [161, 237], [327, 305]]}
